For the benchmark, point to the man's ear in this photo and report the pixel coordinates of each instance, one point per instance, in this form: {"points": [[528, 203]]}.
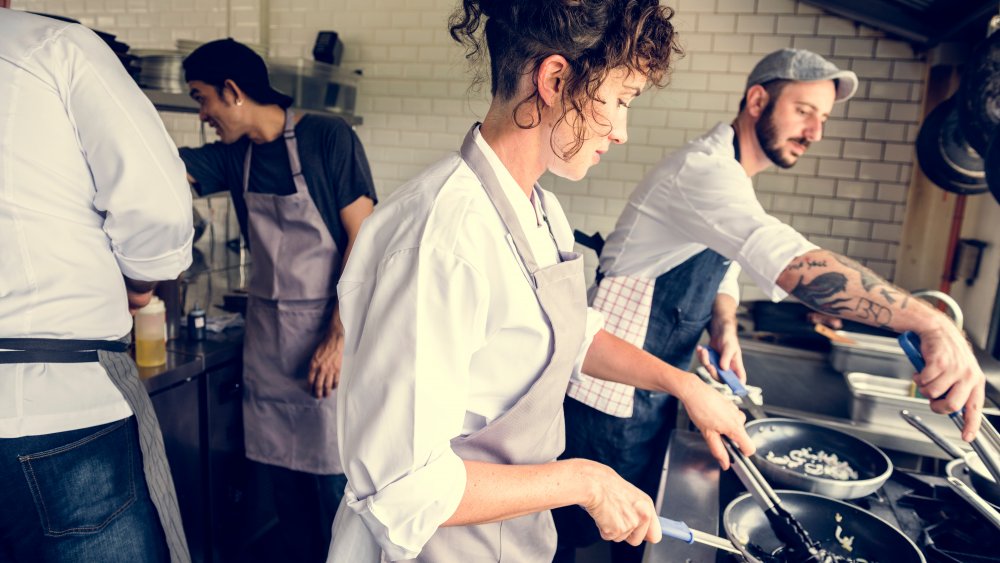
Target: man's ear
{"points": [[551, 79], [232, 93], [757, 98]]}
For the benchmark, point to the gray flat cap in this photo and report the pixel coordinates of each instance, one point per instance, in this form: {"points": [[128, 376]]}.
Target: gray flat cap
{"points": [[803, 66]]}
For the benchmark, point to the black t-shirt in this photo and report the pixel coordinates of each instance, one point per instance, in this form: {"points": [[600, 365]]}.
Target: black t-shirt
{"points": [[333, 164]]}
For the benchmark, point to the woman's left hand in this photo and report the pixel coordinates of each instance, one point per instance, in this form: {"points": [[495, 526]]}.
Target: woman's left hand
{"points": [[716, 416]]}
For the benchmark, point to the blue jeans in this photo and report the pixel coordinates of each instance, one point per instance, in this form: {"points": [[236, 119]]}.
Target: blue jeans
{"points": [[78, 496]]}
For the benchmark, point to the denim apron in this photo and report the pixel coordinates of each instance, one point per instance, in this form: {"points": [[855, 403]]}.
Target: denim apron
{"points": [[114, 358], [293, 289], [635, 447], [530, 432]]}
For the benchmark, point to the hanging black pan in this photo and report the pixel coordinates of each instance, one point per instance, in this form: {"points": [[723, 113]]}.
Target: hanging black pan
{"points": [[993, 166], [811, 457], [945, 156], [979, 94]]}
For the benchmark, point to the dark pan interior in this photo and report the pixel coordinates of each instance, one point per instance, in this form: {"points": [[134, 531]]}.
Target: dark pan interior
{"points": [[782, 436], [874, 539]]}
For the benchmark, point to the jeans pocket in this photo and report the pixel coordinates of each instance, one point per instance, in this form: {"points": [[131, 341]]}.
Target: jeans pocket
{"points": [[83, 486]]}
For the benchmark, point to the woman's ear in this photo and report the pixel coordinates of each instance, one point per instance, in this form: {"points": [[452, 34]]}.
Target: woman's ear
{"points": [[551, 79], [757, 98]]}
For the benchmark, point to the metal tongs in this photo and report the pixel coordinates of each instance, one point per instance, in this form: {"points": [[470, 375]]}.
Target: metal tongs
{"points": [[788, 530], [987, 442]]}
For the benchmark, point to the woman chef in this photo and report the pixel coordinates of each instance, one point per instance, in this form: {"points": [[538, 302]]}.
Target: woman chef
{"points": [[465, 312]]}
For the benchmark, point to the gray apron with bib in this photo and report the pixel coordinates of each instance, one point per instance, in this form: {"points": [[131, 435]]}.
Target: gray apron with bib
{"points": [[114, 358], [293, 289], [532, 431]]}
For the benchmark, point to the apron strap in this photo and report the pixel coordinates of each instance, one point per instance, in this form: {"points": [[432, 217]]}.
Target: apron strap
{"points": [[55, 351], [294, 162]]}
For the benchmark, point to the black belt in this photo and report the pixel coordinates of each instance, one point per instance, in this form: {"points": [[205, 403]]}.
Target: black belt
{"points": [[55, 351]]}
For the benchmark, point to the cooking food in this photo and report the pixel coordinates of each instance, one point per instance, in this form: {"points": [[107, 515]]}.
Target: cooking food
{"points": [[823, 555], [817, 464]]}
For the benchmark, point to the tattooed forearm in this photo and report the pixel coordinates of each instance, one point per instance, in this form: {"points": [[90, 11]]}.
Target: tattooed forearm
{"points": [[868, 278], [874, 313], [888, 293], [823, 293]]}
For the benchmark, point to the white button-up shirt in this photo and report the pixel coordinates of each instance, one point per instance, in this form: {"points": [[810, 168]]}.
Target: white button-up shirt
{"points": [[90, 188], [701, 197], [443, 335]]}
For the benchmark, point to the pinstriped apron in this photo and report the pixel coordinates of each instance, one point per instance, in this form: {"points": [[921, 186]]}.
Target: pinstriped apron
{"points": [[293, 288], [114, 358], [532, 431]]}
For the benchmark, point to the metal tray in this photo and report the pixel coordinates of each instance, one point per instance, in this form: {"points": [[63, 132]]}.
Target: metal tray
{"points": [[877, 400], [877, 355]]}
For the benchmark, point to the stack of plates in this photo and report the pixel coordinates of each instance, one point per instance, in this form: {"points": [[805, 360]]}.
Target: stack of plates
{"points": [[161, 70]]}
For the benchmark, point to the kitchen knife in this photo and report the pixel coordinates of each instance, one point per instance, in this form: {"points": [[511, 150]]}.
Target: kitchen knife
{"points": [[733, 381]]}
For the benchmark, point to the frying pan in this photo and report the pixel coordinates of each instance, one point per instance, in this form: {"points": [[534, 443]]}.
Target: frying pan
{"points": [[781, 436], [944, 154], [962, 463], [874, 538]]}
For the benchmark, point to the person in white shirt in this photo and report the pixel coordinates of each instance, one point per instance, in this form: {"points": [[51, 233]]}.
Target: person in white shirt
{"points": [[669, 269], [465, 314], [94, 208]]}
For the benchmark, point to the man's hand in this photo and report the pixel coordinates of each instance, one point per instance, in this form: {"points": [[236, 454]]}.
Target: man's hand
{"points": [[137, 300], [952, 378], [324, 369]]}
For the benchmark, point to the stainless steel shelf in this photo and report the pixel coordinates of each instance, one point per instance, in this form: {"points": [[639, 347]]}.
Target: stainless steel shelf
{"points": [[182, 103]]}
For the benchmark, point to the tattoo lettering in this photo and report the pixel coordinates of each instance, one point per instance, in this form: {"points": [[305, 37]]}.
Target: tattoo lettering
{"points": [[808, 264], [822, 293], [873, 312]]}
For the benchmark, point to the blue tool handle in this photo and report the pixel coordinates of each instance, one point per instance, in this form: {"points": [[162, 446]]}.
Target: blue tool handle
{"points": [[728, 376], [676, 530], [910, 343]]}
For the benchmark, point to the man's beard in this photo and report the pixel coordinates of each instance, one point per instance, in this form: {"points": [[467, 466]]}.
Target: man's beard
{"points": [[767, 132]]}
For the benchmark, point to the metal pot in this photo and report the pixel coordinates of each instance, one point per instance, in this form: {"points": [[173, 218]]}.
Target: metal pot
{"points": [[826, 520], [777, 437]]}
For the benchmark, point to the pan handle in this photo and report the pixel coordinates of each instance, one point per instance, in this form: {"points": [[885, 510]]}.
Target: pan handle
{"points": [[916, 422], [728, 376], [679, 530], [975, 500]]}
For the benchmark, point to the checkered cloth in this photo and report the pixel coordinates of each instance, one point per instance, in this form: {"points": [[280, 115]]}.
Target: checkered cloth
{"points": [[625, 303]]}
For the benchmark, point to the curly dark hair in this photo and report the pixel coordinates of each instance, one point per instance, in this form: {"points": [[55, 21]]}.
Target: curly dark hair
{"points": [[595, 36]]}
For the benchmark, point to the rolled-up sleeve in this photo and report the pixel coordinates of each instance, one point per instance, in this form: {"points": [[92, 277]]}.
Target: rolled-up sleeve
{"points": [[410, 336], [717, 207], [141, 185]]}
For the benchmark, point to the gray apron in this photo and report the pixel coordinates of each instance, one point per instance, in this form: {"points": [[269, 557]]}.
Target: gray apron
{"points": [[114, 358], [530, 432], [293, 289]]}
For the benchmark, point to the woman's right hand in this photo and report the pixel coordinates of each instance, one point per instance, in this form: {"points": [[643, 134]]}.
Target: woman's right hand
{"points": [[621, 511], [716, 416]]}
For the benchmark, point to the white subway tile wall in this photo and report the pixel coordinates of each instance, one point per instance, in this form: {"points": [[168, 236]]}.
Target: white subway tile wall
{"points": [[847, 195]]}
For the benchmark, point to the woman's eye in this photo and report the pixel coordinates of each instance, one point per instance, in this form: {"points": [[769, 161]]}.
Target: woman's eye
{"points": [[623, 104]]}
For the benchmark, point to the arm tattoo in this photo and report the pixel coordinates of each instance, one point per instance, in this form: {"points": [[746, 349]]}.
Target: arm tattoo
{"points": [[808, 264], [873, 312], [868, 279], [822, 293]]}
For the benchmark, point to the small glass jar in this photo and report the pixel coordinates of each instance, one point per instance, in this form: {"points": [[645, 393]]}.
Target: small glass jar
{"points": [[151, 334]]}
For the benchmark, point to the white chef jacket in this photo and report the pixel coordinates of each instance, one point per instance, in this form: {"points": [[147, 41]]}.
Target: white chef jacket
{"points": [[90, 188], [443, 334], [700, 197]]}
